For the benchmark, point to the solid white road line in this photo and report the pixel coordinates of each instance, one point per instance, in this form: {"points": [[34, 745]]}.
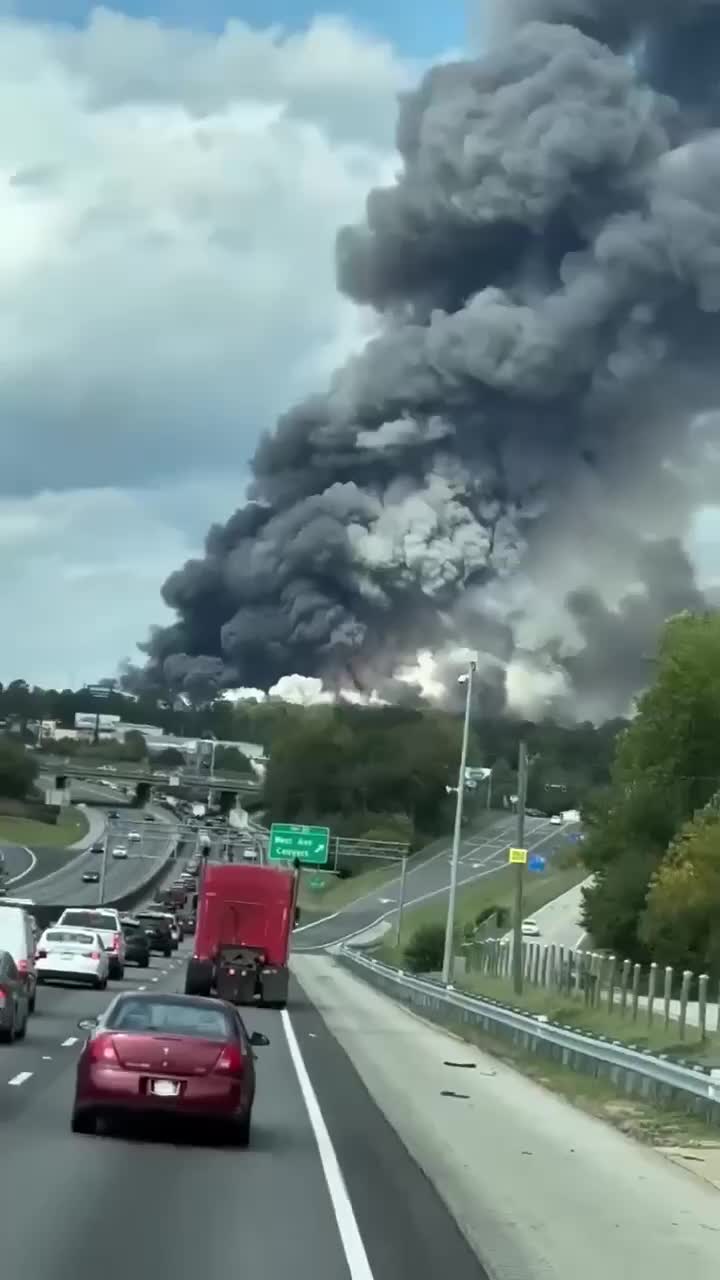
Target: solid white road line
{"points": [[21, 1077], [353, 1247], [33, 864], [70, 1040]]}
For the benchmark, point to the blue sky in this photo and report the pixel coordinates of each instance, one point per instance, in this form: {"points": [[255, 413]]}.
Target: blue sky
{"points": [[422, 28]]}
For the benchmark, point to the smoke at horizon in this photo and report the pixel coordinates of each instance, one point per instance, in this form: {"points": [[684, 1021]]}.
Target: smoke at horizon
{"points": [[512, 465]]}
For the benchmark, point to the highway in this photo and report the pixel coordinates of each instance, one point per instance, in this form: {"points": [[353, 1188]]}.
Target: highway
{"points": [[326, 1191], [123, 875], [18, 862], [480, 855]]}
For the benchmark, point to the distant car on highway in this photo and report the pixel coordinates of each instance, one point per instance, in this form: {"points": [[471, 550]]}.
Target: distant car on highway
{"points": [[113, 814], [556, 820], [530, 929], [134, 836], [72, 955], [189, 1057], [91, 877], [98, 847], [157, 927], [119, 851]]}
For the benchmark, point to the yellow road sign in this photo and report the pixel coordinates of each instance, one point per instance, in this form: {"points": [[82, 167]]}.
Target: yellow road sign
{"points": [[517, 855]]}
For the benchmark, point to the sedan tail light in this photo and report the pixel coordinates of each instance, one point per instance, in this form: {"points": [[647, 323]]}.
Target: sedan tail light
{"points": [[23, 966], [116, 942], [231, 1061], [102, 1049], [91, 955], [3, 997]]}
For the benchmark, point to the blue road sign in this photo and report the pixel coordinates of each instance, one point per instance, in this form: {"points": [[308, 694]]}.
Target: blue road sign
{"points": [[536, 862]]}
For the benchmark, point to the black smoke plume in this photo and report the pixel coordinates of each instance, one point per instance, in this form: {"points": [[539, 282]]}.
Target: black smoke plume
{"points": [[546, 274]]}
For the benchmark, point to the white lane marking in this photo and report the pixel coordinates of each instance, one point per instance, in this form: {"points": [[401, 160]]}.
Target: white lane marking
{"points": [[21, 1077], [46, 1057], [314, 923], [142, 988], [33, 864], [70, 1040], [350, 1237], [154, 979]]}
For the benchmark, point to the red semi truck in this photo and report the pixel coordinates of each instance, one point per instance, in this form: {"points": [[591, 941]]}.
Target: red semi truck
{"points": [[245, 918]]}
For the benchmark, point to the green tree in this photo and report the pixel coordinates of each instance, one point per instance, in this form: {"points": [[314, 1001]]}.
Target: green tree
{"points": [[231, 760], [17, 771], [135, 746], [681, 921], [666, 767]]}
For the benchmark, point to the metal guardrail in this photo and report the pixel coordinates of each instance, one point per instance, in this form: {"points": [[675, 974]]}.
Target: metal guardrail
{"points": [[635, 1071]]}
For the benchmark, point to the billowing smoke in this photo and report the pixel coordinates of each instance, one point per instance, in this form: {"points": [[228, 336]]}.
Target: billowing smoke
{"points": [[512, 463]]}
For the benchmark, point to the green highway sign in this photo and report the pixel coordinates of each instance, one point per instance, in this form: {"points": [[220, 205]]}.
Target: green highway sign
{"points": [[310, 845]]}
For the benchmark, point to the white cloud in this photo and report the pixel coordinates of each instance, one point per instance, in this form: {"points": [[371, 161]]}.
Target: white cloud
{"points": [[169, 201]]}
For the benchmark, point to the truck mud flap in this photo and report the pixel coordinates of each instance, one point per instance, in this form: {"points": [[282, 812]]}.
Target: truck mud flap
{"points": [[274, 988]]}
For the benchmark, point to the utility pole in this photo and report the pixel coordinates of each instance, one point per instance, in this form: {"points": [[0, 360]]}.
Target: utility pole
{"points": [[103, 869], [519, 872], [450, 923], [401, 901]]}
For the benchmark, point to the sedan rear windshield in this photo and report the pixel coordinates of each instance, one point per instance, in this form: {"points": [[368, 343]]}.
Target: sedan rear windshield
{"points": [[170, 1018], [69, 935], [154, 922], [90, 919]]}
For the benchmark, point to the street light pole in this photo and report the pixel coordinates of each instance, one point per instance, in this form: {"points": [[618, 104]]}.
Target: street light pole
{"points": [[103, 869], [450, 924]]}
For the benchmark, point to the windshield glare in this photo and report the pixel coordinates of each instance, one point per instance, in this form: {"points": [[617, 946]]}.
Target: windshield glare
{"points": [[171, 1018]]}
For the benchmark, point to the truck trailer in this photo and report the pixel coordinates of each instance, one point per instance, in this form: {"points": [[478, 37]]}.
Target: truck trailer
{"points": [[245, 918]]}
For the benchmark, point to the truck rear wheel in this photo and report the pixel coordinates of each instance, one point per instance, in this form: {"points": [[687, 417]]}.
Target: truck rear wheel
{"points": [[198, 978]]}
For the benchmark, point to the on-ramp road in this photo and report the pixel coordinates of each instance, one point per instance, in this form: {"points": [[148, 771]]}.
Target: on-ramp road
{"points": [[480, 855]]}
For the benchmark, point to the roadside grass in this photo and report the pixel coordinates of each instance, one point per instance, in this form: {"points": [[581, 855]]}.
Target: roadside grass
{"points": [[639, 1118], [572, 1011], [71, 825], [495, 890], [335, 894]]}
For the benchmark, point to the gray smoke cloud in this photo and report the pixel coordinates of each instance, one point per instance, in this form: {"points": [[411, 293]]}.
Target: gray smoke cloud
{"points": [[546, 273]]}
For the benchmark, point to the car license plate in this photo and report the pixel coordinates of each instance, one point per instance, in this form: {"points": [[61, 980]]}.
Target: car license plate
{"points": [[165, 1088]]}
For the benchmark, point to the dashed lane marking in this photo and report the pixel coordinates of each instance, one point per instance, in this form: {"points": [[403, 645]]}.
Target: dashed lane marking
{"points": [[20, 1078], [70, 1040]]}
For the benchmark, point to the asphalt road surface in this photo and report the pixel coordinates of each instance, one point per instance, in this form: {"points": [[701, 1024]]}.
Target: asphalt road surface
{"points": [[18, 862], [480, 855], [66, 885], [326, 1191]]}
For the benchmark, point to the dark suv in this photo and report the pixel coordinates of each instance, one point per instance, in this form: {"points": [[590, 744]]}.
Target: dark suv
{"points": [[157, 928], [137, 942]]}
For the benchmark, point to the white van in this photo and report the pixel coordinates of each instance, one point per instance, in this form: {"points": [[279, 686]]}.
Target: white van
{"points": [[17, 937]]}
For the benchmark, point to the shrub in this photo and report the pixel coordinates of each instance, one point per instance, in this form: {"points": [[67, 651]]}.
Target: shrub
{"points": [[424, 952]]}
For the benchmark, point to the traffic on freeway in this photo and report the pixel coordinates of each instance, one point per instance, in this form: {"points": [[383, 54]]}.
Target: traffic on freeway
{"points": [[480, 855], [322, 1161]]}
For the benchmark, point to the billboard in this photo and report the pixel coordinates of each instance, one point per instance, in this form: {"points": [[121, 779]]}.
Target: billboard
{"points": [[88, 719]]}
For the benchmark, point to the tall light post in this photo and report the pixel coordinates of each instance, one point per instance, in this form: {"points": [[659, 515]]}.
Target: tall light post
{"points": [[448, 956]]}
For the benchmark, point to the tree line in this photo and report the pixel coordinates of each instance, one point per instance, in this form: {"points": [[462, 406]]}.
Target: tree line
{"points": [[653, 832], [376, 772]]}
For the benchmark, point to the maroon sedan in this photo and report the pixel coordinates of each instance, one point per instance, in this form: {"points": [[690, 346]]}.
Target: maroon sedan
{"points": [[173, 1055]]}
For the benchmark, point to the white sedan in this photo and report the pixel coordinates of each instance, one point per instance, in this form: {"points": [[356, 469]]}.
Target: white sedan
{"points": [[556, 820], [119, 851], [134, 836], [530, 929], [72, 955]]}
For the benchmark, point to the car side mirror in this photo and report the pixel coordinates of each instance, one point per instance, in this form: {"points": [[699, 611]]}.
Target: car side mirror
{"points": [[88, 1024], [257, 1039]]}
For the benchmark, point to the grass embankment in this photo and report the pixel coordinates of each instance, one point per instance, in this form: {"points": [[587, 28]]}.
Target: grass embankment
{"points": [[571, 1011], [331, 894], [496, 890], [71, 825]]}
